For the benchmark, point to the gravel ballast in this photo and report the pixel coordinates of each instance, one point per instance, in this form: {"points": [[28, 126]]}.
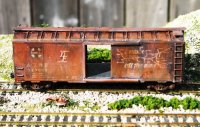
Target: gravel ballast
{"points": [[85, 101]]}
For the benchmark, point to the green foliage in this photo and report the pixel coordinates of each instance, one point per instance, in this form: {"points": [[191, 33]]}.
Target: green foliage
{"points": [[73, 104], [121, 104], [174, 102], [95, 107], [42, 25], [190, 103], [49, 103], [192, 68], [150, 102], [160, 111], [136, 100], [98, 55], [70, 102], [89, 105], [6, 61]]}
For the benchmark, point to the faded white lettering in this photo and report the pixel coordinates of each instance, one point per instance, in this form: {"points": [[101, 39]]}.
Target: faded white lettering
{"points": [[63, 56]]}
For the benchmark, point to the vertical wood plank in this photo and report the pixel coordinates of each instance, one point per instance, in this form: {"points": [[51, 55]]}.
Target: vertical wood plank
{"points": [[24, 12], [102, 13], [3, 24], [146, 13], [13, 13], [55, 12], [180, 7]]}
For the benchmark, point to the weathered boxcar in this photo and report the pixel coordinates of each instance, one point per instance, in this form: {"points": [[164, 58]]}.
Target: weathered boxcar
{"points": [[45, 55]]}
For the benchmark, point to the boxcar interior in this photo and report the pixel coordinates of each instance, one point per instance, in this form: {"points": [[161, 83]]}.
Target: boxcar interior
{"points": [[100, 69]]}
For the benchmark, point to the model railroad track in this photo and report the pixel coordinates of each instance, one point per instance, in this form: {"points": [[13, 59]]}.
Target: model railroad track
{"points": [[20, 91], [98, 119], [3, 81], [119, 90]]}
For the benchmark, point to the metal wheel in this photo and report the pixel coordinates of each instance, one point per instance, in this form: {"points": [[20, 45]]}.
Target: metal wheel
{"points": [[41, 86], [36, 86], [162, 87], [26, 85], [47, 85]]}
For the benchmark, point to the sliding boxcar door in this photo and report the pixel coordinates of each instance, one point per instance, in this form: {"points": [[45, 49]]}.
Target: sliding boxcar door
{"points": [[125, 62]]}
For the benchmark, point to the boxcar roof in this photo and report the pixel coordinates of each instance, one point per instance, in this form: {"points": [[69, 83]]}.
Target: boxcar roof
{"points": [[93, 29]]}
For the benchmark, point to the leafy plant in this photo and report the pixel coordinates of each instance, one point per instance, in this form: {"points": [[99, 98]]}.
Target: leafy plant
{"points": [[121, 104], [150, 102], [70, 102], [89, 106], [49, 103], [63, 101], [174, 102], [190, 103], [192, 68], [42, 25], [95, 107], [136, 100], [98, 55]]}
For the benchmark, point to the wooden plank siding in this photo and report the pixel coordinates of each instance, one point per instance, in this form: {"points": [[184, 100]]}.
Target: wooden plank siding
{"points": [[146, 13], [55, 12], [181, 7], [99, 13], [13, 13], [102, 13]]}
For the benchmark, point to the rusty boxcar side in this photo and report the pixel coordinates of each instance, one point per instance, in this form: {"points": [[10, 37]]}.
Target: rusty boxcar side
{"points": [[59, 54]]}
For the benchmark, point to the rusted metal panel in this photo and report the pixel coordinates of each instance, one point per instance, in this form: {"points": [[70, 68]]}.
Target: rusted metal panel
{"points": [[75, 61], [44, 60], [55, 62], [48, 62], [35, 64], [149, 62], [123, 62], [20, 59], [95, 35]]}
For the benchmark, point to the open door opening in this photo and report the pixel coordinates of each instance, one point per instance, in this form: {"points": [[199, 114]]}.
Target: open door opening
{"points": [[98, 61]]}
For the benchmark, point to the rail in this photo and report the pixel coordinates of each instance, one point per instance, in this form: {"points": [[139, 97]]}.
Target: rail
{"points": [[117, 119], [101, 90]]}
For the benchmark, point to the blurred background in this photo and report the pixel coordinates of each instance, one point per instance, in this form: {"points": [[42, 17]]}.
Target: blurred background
{"points": [[112, 13]]}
